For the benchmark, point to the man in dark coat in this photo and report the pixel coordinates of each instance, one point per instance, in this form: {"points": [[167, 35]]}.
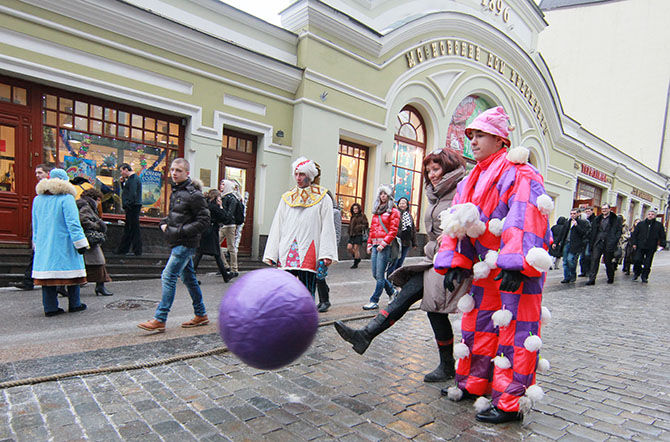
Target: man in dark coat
{"points": [[646, 238], [585, 257], [187, 220], [573, 238], [131, 197], [605, 233]]}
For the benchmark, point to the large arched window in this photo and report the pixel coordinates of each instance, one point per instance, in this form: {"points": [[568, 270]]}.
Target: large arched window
{"points": [[466, 111], [409, 148]]}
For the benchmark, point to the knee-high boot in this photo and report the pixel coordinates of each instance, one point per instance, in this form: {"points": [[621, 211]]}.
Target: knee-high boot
{"points": [[446, 370], [361, 339]]}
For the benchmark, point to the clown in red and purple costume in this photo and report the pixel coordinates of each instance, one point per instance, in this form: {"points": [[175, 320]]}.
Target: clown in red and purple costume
{"points": [[497, 229]]}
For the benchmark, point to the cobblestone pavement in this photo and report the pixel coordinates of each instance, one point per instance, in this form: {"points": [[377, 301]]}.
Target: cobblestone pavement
{"points": [[608, 346]]}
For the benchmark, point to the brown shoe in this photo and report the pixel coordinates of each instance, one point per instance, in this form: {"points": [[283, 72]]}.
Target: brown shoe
{"points": [[196, 321], [153, 325]]}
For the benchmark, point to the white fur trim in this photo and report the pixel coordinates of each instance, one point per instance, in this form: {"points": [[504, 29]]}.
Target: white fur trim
{"points": [[466, 303], [461, 351], [539, 259], [545, 204], [482, 404], [55, 186], [480, 270], [309, 168], [535, 393], [533, 343], [543, 365], [525, 405], [545, 317], [386, 189], [518, 155], [454, 393], [502, 362], [491, 259], [496, 226], [501, 318], [476, 229]]}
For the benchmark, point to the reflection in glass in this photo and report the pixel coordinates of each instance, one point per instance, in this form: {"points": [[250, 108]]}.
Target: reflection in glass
{"points": [[20, 96]]}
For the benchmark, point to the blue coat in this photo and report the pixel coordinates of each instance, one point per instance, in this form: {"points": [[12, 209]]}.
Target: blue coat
{"points": [[57, 232]]}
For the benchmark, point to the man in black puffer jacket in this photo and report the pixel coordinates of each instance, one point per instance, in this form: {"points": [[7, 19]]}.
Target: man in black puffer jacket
{"points": [[647, 236], [187, 220]]}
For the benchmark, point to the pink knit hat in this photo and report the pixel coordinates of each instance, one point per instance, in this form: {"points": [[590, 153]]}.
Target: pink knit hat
{"points": [[493, 121]]}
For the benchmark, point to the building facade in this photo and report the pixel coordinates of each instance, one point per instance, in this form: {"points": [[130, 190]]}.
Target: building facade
{"points": [[364, 88]]}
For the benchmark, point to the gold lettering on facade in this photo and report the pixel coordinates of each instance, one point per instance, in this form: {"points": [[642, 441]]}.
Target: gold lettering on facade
{"points": [[464, 49], [450, 47], [419, 55], [471, 51], [427, 50], [433, 46], [455, 47], [477, 53], [443, 48], [489, 61], [498, 7], [411, 61]]}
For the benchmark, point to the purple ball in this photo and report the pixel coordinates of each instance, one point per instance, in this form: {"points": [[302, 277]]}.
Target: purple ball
{"points": [[268, 318]]}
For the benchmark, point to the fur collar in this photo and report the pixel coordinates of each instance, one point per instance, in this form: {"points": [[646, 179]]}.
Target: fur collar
{"points": [[55, 186]]}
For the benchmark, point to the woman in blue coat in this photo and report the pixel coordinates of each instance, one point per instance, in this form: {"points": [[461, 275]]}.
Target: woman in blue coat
{"points": [[59, 242]]}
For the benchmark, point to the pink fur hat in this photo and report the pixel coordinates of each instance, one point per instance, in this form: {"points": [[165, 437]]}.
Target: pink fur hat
{"points": [[493, 121]]}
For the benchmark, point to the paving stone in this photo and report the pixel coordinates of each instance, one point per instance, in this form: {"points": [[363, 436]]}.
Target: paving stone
{"points": [[586, 433], [549, 432], [167, 427], [404, 428]]}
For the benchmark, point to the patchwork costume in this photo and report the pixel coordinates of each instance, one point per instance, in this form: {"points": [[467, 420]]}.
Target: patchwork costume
{"points": [[498, 222]]}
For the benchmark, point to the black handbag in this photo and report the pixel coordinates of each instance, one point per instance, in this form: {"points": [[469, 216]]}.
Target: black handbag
{"points": [[94, 237]]}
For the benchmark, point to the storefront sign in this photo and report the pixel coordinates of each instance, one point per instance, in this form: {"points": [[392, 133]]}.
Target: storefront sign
{"points": [[464, 49], [642, 194], [594, 173]]}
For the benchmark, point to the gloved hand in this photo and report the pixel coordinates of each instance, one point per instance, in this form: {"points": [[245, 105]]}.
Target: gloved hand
{"points": [[511, 280], [455, 274], [82, 250]]}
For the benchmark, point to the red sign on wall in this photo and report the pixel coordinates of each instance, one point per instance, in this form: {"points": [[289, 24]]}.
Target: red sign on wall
{"points": [[3, 146], [594, 173]]}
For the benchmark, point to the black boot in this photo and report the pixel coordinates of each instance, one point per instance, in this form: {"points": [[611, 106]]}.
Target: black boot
{"points": [[324, 296], [100, 290], [446, 369], [355, 265], [361, 339]]}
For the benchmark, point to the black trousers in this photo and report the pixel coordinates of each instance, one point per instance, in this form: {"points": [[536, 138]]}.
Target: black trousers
{"points": [[597, 253], [642, 262], [131, 232], [28, 274], [307, 278], [585, 260], [217, 257]]}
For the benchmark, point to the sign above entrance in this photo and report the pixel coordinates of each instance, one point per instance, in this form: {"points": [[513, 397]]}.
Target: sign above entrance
{"points": [[464, 49], [642, 194], [594, 173]]}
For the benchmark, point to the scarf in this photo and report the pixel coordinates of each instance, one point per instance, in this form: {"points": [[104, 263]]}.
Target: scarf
{"points": [[405, 220]]}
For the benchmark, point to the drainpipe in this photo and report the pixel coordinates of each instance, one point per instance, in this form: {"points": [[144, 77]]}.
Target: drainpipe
{"points": [[665, 124]]}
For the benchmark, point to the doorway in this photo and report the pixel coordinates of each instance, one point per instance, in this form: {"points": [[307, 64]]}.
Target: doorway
{"points": [[238, 163]]}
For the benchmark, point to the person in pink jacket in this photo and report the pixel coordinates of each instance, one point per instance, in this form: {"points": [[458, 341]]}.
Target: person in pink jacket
{"points": [[497, 231], [383, 230]]}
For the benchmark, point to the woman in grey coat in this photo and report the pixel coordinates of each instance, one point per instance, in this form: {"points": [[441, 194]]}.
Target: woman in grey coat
{"points": [[91, 222], [443, 169]]}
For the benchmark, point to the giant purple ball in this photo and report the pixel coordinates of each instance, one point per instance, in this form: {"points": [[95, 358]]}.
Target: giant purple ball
{"points": [[268, 318]]}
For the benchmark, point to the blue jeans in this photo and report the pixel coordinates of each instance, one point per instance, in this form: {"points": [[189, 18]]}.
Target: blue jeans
{"points": [[569, 264], [50, 297], [379, 262], [179, 264]]}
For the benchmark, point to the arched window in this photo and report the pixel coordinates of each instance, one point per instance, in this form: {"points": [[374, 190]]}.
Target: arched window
{"points": [[466, 111], [409, 148]]}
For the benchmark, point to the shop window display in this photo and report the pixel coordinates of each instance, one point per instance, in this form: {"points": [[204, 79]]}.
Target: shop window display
{"points": [[351, 168], [466, 111]]}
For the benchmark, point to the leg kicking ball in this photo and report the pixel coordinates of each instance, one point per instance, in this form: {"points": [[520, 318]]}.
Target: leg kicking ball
{"points": [[268, 318]]}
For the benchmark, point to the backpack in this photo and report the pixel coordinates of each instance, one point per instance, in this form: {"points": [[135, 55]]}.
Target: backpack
{"points": [[238, 212]]}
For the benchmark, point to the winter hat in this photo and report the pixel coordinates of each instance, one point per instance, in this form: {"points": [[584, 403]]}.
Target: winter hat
{"points": [[493, 121], [308, 167], [60, 174], [228, 187]]}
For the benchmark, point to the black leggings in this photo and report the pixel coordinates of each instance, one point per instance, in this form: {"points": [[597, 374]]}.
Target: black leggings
{"points": [[217, 257]]}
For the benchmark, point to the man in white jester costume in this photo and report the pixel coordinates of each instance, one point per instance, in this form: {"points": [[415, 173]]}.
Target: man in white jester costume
{"points": [[497, 230], [303, 232]]}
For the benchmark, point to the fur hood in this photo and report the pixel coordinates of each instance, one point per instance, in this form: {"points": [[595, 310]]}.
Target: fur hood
{"points": [[377, 207], [55, 186]]}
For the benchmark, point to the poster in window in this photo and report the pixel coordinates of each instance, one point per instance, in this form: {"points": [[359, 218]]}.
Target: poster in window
{"points": [[466, 111], [82, 167], [152, 182]]}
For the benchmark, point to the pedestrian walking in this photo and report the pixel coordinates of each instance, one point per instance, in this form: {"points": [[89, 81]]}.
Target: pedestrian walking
{"points": [[186, 221], [95, 230], [383, 230], [131, 197], [497, 230], [647, 237], [358, 231], [230, 204], [406, 234], [322, 270], [629, 252], [442, 170], [209, 241], [571, 240], [555, 251], [605, 234], [59, 242], [41, 172], [302, 231], [585, 257], [623, 242], [243, 198]]}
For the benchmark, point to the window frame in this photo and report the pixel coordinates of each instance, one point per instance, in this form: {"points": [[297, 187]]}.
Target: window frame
{"points": [[362, 185]]}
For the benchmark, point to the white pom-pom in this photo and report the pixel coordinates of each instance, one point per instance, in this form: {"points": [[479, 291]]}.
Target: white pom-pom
{"points": [[482, 404], [476, 229], [480, 270], [467, 213], [535, 393], [445, 217], [543, 365], [533, 343], [501, 318], [545, 204], [545, 317], [454, 393], [491, 259], [502, 362], [496, 226], [461, 351], [525, 405], [518, 155], [539, 259], [456, 365], [466, 303]]}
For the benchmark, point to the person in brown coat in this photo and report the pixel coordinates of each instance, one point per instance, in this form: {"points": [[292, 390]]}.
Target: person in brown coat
{"points": [[358, 226], [443, 169], [91, 222]]}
